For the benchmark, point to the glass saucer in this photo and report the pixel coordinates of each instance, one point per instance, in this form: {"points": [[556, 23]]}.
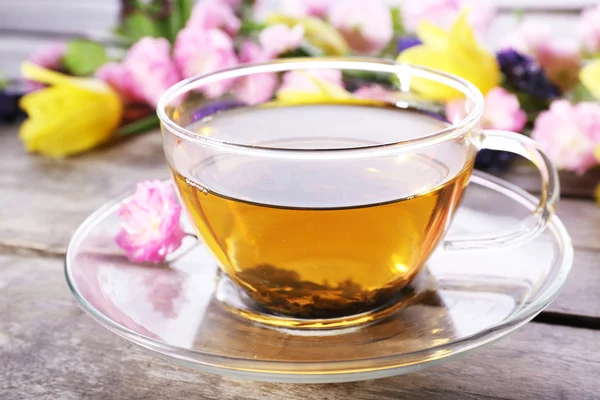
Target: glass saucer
{"points": [[462, 301]]}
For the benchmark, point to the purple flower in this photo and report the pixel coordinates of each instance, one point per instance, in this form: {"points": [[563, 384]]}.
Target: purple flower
{"points": [[9, 102], [214, 108], [493, 160], [524, 74], [406, 42]]}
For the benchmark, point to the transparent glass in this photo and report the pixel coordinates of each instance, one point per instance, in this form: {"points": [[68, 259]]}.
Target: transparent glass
{"points": [[322, 186], [461, 301]]}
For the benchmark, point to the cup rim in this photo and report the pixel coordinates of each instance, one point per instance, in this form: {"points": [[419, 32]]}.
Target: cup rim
{"points": [[405, 72]]}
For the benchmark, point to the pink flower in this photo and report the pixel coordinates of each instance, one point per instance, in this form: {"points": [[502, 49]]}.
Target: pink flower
{"points": [[376, 92], [443, 13], [305, 8], [199, 52], [233, 3], [301, 80], [145, 73], [278, 39], [569, 134], [589, 29], [49, 57], [260, 9], [150, 227], [366, 25], [255, 88], [528, 38], [502, 111], [561, 60], [120, 79], [214, 14]]}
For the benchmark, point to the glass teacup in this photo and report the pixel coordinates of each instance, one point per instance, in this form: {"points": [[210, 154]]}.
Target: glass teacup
{"points": [[322, 186]]}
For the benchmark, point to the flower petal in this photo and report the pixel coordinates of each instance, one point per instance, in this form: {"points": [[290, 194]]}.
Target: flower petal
{"points": [[590, 78], [438, 59]]}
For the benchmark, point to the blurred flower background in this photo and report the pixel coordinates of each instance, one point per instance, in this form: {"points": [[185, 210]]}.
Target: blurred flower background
{"points": [[536, 82]]}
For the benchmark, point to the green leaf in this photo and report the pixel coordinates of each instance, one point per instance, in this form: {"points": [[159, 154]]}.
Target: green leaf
{"points": [[139, 126], [519, 15], [397, 21], [579, 93], [138, 25], [185, 10], [250, 27], [83, 57], [3, 81]]}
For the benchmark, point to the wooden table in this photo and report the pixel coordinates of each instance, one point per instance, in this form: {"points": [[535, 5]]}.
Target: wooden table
{"points": [[50, 349]]}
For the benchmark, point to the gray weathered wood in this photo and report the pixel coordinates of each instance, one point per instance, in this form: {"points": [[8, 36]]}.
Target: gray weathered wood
{"points": [[571, 184], [580, 294], [43, 200], [51, 349]]}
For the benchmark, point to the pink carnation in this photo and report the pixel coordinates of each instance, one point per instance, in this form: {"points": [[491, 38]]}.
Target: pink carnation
{"points": [[200, 52], [569, 134], [301, 80], [120, 79], [366, 25], [502, 111], [214, 14], [376, 92], [146, 72], [443, 13], [278, 39], [260, 9], [528, 38], [150, 227], [589, 29], [255, 88], [233, 3], [561, 60], [49, 57], [305, 8]]}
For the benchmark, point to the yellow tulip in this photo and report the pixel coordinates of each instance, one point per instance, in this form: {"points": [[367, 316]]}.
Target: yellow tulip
{"points": [[590, 78], [70, 116], [317, 32], [456, 52], [597, 153], [597, 194]]}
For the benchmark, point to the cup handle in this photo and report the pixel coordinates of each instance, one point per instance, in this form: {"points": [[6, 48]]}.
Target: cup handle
{"points": [[534, 224]]}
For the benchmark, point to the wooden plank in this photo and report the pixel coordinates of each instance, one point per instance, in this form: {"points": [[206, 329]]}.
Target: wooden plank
{"points": [[580, 293], [51, 349], [43, 200], [572, 185], [64, 16]]}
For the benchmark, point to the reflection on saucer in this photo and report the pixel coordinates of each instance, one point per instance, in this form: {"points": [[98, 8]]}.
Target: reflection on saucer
{"points": [[164, 302]]}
